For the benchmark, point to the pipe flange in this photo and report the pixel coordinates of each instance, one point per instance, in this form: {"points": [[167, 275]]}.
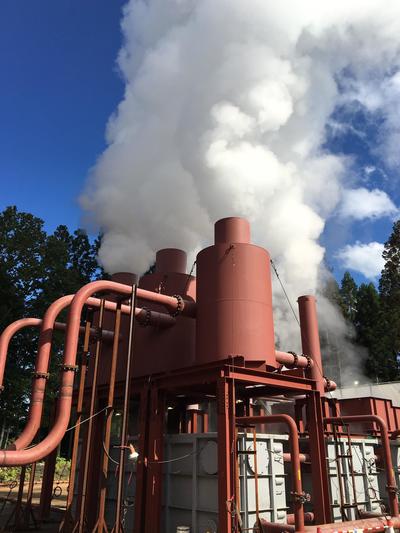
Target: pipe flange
{"points": [[147, 319], [69, 368], [393, 489], [301, 497], [309, 361], [96, 334], [295, 360], [40, 375], [179, 305]]}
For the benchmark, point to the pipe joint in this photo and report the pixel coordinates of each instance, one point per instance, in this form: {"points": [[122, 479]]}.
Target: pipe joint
{"points": [[40, 375], [295, 360], [301, 497], [179, 306], [146, 321], [69, 368]]}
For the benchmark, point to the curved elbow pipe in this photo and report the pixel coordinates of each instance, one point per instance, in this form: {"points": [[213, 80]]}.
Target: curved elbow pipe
{"points": [[7, 335], [148, 317], [48, 324], [295, 455], [19, 457], [391, 482]]}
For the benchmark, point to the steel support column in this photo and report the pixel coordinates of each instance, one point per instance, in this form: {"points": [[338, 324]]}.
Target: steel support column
{"points": [[226, 455], [319, 471]]}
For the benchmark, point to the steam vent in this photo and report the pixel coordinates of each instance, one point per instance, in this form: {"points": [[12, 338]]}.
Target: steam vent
{"points": [[178, 414]]}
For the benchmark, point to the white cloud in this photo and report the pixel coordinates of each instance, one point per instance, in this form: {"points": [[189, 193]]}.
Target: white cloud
{"points": [[364, 258], [362, 203], [224, 113]]}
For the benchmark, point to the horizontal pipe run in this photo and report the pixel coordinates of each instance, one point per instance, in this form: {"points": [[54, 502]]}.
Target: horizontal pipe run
{"points": [[144, 316], [45, 339], [262, 526], [304, 457], [51, 441], [369, 525], [308, 518], [292, 360], [295, 454], [391, 481]]}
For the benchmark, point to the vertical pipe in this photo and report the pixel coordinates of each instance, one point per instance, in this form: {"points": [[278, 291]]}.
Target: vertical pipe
{"points": [[125, 414], [319, 473], [310, 339], [82, 513], [110, 410], [68, 518]]}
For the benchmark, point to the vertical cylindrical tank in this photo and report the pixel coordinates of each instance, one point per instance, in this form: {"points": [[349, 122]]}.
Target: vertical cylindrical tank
{"points": [[234, 298], [310, 338], [166, 349]]}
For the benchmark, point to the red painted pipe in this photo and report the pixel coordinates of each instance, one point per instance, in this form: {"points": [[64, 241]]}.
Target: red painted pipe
{"points": [[308, 518], [153, 318], [304, 457], [391, 482], [43, 357], [370, 525], [301, 361], [310, 339], [291, 360], [273, 527], [295, 454], [51, 441]]}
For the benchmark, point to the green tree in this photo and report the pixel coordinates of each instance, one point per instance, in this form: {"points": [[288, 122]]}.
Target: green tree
{"points": [[35, 270], [389, 288], [348, 296], [368, 324]]}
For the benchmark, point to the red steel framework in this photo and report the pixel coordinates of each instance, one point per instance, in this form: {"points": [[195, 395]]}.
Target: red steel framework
{"points": [[209, 339]]}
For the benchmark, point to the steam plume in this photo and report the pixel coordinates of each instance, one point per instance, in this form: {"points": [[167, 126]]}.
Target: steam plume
{"points": [[225, 112]]}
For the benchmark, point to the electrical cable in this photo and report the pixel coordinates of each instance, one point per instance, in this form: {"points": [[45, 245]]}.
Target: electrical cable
{"points": [[285, 293]]}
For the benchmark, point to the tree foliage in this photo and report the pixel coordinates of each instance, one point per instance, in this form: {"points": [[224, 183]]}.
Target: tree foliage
{"points": [[36, 268], [375, 314]]}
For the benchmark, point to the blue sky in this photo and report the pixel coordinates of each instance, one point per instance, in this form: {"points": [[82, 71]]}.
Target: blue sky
{"points": [[60, 85]]}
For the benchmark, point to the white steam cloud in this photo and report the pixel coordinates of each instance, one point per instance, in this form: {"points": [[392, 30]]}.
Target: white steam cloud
{"points": [[225, 112]]}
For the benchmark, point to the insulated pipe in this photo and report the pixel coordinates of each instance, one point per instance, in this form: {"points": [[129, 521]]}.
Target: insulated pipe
{"points": [[273, 527], [308, 518], [145, 316], [51, 441], [310, 338], [295, 454], [391, 482], [366, 525], [43, 356], [304, 457], [292, 360]]}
